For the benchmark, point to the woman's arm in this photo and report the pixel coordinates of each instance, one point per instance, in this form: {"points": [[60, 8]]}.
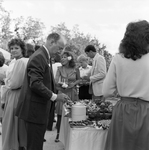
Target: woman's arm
{"points": [[78, 79], [109, 84], [57, 79], [17, 75]]}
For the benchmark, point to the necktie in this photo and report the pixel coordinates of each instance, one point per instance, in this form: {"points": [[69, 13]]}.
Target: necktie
{"points": [[52, 78], [53, 90]]}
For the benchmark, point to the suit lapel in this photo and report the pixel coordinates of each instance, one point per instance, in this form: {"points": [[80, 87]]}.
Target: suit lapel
{"points": [[94, 63], [45, 54], [50, 70], [93, 68]]}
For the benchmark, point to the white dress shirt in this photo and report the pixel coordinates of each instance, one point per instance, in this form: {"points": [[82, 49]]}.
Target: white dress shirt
{"points": [[55, 66], [85, 71]]}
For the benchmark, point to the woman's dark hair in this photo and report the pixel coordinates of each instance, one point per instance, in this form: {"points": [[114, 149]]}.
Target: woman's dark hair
{"points": [[2, 59], [20, 43], [57, 58], [29, 50], [37, 47], [136, 40], [72, 63]]}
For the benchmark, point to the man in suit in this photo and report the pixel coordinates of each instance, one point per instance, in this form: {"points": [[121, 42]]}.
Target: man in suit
{"points": [[97, 73], [37, 92]]}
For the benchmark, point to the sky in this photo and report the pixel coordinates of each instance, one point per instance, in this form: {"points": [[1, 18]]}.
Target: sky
{"points": [[104, 19]]}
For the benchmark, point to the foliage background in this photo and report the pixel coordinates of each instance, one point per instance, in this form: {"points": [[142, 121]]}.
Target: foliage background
{"points": [[33, 30]]}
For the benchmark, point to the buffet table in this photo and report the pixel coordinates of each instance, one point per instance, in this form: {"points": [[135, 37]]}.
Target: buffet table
{"points": [[87, 138]]}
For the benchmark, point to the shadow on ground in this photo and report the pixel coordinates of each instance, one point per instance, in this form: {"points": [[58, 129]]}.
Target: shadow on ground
{"points": [[49, 144]]}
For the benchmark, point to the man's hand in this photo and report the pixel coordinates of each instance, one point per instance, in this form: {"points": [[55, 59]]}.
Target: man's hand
{"points": [[62, 97]]}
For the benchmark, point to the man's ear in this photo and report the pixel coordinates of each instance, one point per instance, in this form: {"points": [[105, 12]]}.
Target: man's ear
{"points": [[52, 41], [91, 52]]}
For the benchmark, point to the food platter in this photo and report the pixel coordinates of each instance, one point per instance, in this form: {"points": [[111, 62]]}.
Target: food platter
{"points": [[81, 124], [99, 113], [102, 124]]}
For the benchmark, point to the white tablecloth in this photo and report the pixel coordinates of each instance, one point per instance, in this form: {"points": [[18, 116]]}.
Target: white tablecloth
{"points": [[81, 138]]}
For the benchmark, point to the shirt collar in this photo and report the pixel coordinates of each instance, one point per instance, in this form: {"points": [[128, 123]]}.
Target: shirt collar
{"points": [[95, 56], [47, 51]]}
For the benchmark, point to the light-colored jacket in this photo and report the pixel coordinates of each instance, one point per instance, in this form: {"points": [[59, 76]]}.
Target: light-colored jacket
{"points": [[98, 74]]}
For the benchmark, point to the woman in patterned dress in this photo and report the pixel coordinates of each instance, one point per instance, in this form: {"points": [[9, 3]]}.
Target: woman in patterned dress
{"points": [[67, 75]]}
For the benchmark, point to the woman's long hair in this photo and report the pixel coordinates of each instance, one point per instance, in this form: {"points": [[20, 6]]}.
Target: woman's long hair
{"points": [[135, 43], [72, 63]]}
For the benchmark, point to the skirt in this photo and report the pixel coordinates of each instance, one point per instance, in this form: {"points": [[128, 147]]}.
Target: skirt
{"points": [[84, 92], [13, 129], [129, 129]]}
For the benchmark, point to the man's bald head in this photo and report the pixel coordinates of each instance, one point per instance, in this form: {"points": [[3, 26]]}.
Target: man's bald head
{"points": [[55, 43], [56, 37]]}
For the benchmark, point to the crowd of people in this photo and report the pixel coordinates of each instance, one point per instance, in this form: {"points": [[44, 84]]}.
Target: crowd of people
{"points": [[38, 80]]}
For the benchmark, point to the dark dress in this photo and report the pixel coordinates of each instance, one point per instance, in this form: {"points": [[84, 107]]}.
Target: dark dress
{"points": [[84, 89], [129, 128]]}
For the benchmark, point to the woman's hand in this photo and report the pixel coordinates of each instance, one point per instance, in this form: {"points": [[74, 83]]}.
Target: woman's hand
{"points": [[71, 85]]}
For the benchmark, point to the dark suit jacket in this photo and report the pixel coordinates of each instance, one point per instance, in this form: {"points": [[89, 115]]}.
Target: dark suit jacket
{"points": [[34, 102]]}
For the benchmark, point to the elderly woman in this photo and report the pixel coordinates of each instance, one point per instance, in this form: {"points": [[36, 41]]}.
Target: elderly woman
{"points": [[67, 77], [13, 129], [84, 71], [129, 75]]}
